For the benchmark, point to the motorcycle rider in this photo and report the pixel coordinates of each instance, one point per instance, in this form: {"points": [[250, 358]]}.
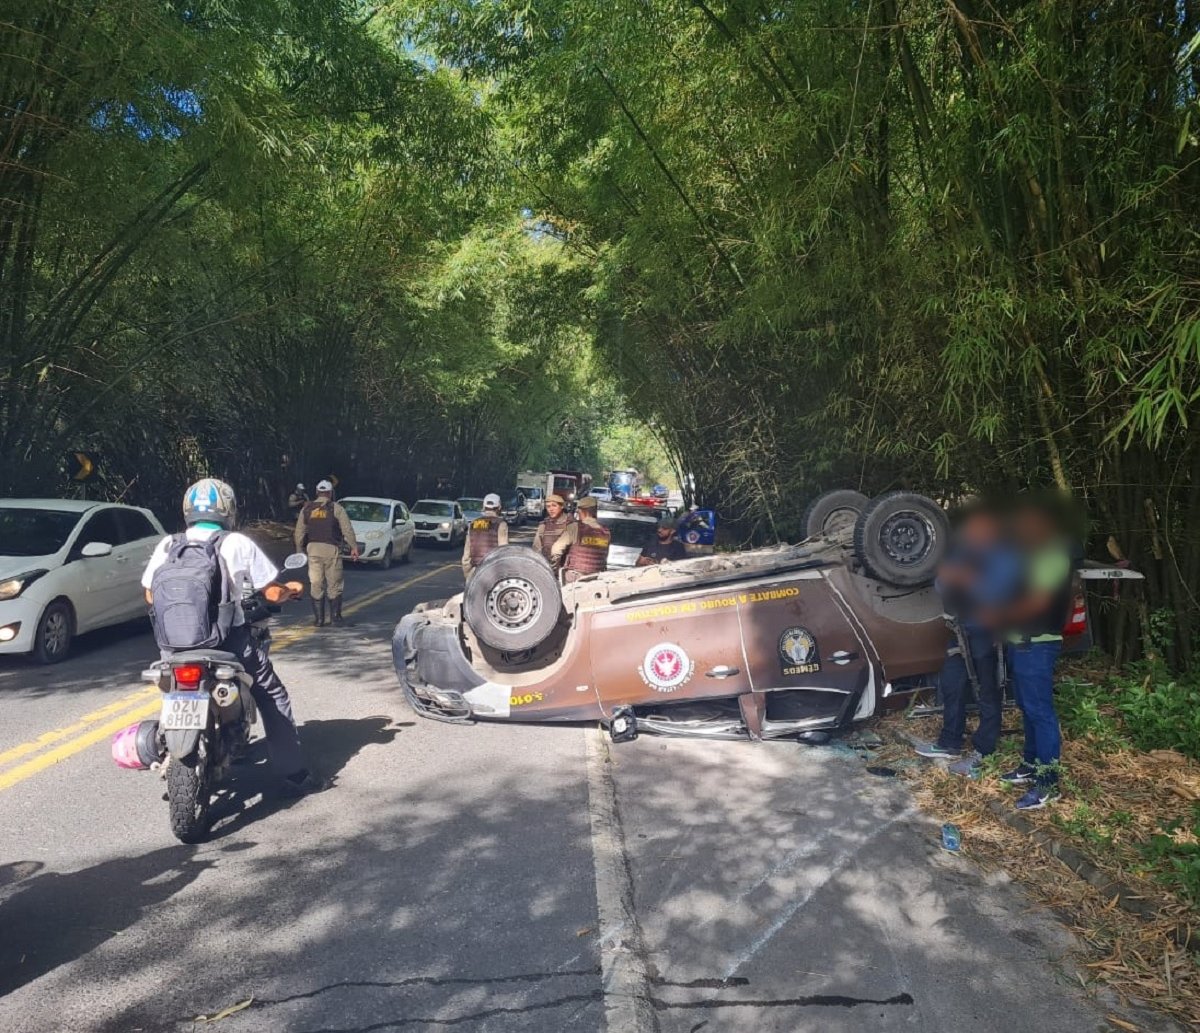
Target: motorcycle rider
{"points": [[583, 547], [320, 531], [209, 508], [298, 498], [488, 531], [552, 527]]}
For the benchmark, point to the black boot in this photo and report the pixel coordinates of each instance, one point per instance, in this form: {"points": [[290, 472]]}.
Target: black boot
{"points": [[318, 606], [335, 609]]}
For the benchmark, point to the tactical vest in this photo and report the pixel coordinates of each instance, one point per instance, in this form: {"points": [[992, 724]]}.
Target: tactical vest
{"points": [[485, 536], [552, 530], [319, 523], [589, 553]]}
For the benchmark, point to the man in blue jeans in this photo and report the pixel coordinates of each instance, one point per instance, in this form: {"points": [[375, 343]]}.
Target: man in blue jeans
{"points": [[1034, 645], [981, 570]]}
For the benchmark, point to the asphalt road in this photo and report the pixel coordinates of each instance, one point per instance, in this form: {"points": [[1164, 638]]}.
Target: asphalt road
{"points": [[490, 878]]}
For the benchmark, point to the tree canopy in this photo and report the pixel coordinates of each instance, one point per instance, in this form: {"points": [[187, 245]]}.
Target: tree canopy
{"points": [[945, 245]]}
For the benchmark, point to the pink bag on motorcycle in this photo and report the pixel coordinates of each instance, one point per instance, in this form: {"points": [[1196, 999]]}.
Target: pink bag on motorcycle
{"points": [[136, 746]]}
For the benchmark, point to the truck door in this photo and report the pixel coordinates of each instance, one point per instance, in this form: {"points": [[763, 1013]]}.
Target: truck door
{"points": [[684, 647], [806, 657]]}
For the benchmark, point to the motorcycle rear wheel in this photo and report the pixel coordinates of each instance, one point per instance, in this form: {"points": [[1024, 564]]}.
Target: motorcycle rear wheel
{"points": [[188, 797]]}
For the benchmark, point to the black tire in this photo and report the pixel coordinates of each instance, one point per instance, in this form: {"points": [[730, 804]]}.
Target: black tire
{"points": [[53, 635], [901, 537], [512, 601], [833, 511], [386, 562], [188, 798], [148, 749]]}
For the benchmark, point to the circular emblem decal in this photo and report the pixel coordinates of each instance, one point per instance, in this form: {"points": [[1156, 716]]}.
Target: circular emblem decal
{"points": [[798, 652], [666, 667]]}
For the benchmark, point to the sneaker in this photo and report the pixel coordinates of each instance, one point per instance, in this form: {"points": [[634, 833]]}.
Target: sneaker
{"points": [[935, 752], [1021, 776], [968, 766], [302, 783], [1036, 798]]}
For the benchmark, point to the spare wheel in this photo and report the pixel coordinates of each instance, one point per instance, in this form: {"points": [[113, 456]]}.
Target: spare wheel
{"points": [[834, 511], [901, 538], [512, 600]]}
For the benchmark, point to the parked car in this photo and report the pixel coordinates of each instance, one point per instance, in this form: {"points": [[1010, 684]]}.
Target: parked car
{"points": [[515, 510], [602, 494], [535, 500], [438, 520], [472, 508], [67, 567], [383, 527], [631, 533]]}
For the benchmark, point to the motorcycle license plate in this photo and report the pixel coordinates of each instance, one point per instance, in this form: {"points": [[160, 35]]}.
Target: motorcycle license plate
{"points": [[184, 711]]}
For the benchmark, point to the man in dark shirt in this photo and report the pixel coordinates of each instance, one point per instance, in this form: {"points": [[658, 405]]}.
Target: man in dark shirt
{"points": [[666, 547]]}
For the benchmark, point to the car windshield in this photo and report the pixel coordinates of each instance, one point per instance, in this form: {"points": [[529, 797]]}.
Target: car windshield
{"points": [[34, 532], [366, 512], [635, 534], [514, 502], [472, 504], [437, 509]]}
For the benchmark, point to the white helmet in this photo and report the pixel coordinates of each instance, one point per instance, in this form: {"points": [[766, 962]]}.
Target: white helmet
{"points": [[210, 500], [324, 486], [491, 501], [300, 487]]}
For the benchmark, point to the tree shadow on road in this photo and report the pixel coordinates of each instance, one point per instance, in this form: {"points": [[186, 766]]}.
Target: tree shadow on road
{"points": [[52, 918], [251, 792]]}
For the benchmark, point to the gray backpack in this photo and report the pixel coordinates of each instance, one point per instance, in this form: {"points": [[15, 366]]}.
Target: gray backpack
{"points": [[193, 596]]}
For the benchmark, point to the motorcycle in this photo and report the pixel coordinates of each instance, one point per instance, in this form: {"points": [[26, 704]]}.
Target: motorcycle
{"points": [[206, 717]]}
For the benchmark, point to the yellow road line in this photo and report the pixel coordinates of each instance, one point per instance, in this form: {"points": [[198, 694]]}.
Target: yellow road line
{"points": [[85, 722], [72, 746], [82, 741]]}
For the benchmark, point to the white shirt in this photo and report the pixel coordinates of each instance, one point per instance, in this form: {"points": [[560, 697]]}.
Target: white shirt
{"points": [[249, 566]]}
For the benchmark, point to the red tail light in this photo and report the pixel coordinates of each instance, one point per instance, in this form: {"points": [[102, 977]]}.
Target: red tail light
{"points": [[188, 676]]}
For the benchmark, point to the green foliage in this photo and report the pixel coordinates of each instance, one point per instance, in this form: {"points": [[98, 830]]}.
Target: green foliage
{"points": [[1145, 707], [1174, 855]]}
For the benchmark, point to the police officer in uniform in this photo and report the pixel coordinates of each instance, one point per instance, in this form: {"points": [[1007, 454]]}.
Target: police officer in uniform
{"points": [[297, 498], [583, 547], [552, 527], [320, 531], [488, 531]]}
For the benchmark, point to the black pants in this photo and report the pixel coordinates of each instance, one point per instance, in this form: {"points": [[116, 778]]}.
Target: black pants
{"points": [[274, 704], [956, 686]]}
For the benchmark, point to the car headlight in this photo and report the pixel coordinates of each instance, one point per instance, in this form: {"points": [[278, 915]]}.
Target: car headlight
{"points": [[375, 536], [12, 587], [445, 527]]}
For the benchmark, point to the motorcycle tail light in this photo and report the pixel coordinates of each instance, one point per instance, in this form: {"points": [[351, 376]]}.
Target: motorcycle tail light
{"points": [[188, 675]]}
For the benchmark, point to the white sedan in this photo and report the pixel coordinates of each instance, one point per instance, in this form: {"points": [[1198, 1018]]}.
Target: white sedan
{"points": [[384, 529], [439, 520], [69, 566]]}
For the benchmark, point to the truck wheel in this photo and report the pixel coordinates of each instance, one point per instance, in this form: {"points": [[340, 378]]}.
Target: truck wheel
{"points": [[386, 562], [512, 601], [901, 538], [834, 511]]}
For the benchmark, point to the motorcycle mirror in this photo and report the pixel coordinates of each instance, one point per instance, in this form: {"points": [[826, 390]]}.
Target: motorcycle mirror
{"points": [[295, 561]]}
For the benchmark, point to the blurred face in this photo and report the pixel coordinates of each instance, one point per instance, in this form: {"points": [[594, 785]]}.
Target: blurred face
{"points": [[554, 508], [666, 533]]}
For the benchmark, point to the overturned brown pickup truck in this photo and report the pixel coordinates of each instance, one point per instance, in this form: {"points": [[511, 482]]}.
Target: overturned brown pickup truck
{"points": [[767, 643]]}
